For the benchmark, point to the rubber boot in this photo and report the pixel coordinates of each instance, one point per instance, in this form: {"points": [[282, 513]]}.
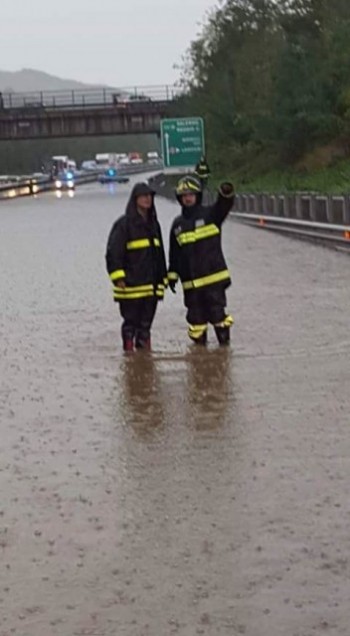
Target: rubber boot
{"points": [[223, 335], [143, 342], [128, 345]]}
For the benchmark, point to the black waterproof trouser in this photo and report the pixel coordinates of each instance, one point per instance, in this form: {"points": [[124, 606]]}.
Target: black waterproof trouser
{"points": [[208, 305], [138, 316]]}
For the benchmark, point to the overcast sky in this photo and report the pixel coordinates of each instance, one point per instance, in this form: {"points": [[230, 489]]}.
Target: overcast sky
{"points": [[117, 42]]}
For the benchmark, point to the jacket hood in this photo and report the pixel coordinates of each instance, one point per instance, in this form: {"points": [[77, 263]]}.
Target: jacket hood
{"points": [[138, 190]]}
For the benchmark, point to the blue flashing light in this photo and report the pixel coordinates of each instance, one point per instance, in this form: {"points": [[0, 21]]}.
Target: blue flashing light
{"points": [[70, 176], [111, 172]]}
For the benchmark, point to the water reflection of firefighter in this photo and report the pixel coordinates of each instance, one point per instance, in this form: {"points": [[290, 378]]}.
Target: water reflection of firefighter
{"points": [[142, 401], [209, 388]]}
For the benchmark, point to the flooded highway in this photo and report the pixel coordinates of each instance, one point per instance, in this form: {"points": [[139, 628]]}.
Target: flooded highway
{"points": [[187, 491]]}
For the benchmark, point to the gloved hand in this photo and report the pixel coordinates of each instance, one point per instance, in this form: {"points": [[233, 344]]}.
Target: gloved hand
{"points": [[172, 286], [227, 189]]}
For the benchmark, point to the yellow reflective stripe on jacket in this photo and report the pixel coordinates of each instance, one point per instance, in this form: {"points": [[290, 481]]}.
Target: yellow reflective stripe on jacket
{"points": [[140, 291], [142, 243], [173, 276], [206, 231], [207, 280], [119, 273]]}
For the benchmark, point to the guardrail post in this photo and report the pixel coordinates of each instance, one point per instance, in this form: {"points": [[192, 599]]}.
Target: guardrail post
{"points": [[313, 207], [256, 204], [298, 206], [329, 209], [285, 207], [346, 210], [275, 205]]}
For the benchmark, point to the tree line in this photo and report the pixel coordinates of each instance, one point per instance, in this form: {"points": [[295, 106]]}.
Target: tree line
{"points": [[272, 79]]}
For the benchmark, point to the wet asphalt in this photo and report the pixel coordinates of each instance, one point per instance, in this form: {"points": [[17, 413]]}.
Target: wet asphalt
{"points": [[183, 492]]}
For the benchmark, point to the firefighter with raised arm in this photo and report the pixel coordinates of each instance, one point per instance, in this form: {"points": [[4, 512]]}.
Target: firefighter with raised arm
{"points": [[137, 268], [202, 171], [196, 258]]}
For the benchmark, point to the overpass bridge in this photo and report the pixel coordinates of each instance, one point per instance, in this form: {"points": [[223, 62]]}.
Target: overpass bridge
{"points": [[84, 113]]}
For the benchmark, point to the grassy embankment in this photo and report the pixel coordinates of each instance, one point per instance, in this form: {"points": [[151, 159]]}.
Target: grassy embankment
{"points": [[325, 170]]}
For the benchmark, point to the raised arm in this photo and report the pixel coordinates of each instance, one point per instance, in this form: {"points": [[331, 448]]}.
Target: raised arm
{"points": [[224, 203]]}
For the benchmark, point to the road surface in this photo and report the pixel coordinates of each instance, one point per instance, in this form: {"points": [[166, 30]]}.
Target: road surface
{"points": [[184, 492]]}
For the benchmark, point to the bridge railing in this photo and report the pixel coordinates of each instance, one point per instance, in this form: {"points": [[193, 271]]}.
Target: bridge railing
{"points": [[98, 96]]}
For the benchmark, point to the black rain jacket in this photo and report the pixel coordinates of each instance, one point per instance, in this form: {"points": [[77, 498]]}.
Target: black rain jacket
{"points": [[135, 253], [196, 255]]}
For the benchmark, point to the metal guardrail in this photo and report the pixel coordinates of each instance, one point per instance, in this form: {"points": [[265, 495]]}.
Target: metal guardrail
{"points": [[306, 215], [31, 186], [34, 100], [28, 186], [300, 206]]}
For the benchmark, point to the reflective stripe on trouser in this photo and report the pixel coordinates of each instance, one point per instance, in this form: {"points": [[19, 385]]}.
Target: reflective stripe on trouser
{"points": [[205, 306], [197, 331], [228, 322]]}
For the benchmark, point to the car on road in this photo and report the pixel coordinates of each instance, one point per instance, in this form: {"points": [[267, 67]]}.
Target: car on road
{"points": [[124, 100], [65, 181], [111, 176], [88, 166]]}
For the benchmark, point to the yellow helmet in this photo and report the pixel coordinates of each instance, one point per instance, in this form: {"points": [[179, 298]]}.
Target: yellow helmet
{"points": [[188, 185]]}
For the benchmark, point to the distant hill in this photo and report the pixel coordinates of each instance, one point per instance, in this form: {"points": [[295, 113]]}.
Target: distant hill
{"points": [[28, 80]]}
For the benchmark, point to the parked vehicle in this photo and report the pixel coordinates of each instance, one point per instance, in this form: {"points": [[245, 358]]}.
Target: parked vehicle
{"points": [[111, 176], [153, 158], [86, 166]]}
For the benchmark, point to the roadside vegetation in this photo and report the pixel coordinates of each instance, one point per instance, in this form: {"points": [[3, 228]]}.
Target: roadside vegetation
{"points": [[272, 80]]}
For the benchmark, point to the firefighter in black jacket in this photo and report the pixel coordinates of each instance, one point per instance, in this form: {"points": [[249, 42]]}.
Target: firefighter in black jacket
{"points": [[136, 266], [203, 171], [196, 258]]}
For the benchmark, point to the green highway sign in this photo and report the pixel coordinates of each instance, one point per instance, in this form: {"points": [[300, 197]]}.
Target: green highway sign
{"points": [[183, 143]]}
